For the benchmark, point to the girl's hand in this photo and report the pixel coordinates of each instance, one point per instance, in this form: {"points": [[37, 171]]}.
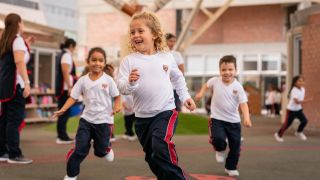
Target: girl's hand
{"points": [[26, 91], [58, 113], [30, 40], [198, 97], [116, 109], [247, 123], [189, 103], [134, 75]]}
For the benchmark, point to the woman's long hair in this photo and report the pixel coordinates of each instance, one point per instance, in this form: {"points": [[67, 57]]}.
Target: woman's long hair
{"points": [[11, 29]]}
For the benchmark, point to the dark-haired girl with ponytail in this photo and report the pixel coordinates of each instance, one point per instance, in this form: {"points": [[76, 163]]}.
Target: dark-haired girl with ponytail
{"points": [[294, 110], [14, 88]]}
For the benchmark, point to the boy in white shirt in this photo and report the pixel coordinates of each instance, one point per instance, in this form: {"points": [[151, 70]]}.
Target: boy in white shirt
{"points": [[227, 95], [97, 89]]}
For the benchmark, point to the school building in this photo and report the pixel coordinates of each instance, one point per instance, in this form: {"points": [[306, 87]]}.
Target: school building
{"points": [[252, 30], [304, 56]]}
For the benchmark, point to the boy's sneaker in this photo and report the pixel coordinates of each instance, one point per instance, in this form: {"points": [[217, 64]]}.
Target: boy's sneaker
{"points": [[69, 178], [110, 156], [278, 138], [301, 135], [232, 172], [220, 156], [64, 141], [19, 160], [4, 157]]}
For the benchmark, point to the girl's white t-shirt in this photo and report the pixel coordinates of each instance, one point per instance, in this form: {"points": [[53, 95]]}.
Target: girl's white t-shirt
{"points": [[19, 45], [153, 92], [226, 99], [298, 94], [97, 98]]}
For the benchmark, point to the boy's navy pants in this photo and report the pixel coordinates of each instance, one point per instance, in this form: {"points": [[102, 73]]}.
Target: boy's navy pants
{"points": [[222, 130]]}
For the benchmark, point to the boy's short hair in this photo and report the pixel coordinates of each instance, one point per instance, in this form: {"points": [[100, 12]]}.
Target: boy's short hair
{"points": [[228, 59]]}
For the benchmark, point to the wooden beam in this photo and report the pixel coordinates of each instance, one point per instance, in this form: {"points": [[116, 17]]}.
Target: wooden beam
{"points": [[187, 25], [157, 5], [206, 12], [206, 25]]}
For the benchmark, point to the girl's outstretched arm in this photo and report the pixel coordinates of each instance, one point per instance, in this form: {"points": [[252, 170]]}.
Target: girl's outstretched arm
{"points": [[64, 108]]}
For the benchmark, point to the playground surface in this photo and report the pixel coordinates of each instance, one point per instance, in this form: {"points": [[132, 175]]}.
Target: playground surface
{"points": [[262, 158]]}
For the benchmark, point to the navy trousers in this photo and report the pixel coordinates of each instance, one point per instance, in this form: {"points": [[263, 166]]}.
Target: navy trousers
{"points": [[12, 115], [63, 119], [100, 133], [155, 135], [222, 130], [291, 115]]}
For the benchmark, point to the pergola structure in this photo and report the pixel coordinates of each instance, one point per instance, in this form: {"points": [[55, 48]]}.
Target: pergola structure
{"points": [[183, 41]]}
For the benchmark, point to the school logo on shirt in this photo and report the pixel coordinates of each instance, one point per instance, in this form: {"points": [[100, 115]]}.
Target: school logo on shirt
{"points": [[165, 67], [235, 92], [104, 86]]}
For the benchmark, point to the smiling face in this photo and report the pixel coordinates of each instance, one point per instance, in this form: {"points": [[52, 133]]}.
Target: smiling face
{"points": [[299, 83], [227, 72], [141, 37], [96, 62]]}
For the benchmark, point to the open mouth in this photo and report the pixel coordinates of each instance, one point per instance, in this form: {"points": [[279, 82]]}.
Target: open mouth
{"points": [[138, 42]]}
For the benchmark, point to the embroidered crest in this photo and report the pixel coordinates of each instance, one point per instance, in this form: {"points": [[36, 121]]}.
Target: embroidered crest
{"points": [[104, 86], [235, 92], [165, 68]]}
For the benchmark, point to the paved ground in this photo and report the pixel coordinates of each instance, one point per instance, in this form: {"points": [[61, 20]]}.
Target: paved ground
{"points": [[261, 158]]}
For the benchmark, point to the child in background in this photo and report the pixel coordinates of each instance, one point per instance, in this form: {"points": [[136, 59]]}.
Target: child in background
{"points": [[97, 120], [149, 74], [127, 104], [227, 95], [294, 110]]}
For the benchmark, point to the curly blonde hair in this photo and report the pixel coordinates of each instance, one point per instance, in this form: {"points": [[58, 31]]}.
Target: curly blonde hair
{"points": [[151, 21]]}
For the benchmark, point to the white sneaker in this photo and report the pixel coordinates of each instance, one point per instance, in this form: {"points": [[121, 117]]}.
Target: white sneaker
{"points": [[113, 139], [4, 158], [110, 156], [125, 137], [132, 138], [220, 156], [278, 138], [301, 135], [69, 178], [60, 141], [232, 172]]}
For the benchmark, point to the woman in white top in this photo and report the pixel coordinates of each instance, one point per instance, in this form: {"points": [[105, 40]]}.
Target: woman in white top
{"points": [[294, 110], [65, 78], [14, 88], [171, 41]]}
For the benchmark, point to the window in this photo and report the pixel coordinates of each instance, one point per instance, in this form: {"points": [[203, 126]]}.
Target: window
{"points": [[270, 62], [23, 3], [250, 62], [195, 64], [212, 64]]}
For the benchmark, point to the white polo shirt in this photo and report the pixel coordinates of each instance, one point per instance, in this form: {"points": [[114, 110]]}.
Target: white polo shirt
{"points": [[19, 45], [177, 57], [67, 59], [226, 99], [97, 98], [298, 94], [153, 92]]}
